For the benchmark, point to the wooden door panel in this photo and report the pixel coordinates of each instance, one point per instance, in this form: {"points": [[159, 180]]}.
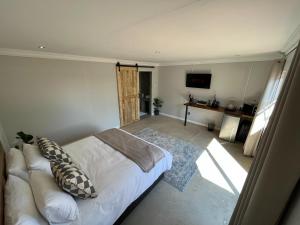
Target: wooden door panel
{"points": [[128, 92]]}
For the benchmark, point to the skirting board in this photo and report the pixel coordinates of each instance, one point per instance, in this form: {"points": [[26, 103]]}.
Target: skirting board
{"points": [[190, 121]]}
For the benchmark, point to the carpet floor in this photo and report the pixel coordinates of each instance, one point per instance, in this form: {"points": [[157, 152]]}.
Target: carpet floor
{"points": [[209, 197], [184, 155]]}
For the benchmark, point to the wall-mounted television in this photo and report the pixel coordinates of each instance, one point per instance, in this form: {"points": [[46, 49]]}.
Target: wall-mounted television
{"points": [[198, 80]]}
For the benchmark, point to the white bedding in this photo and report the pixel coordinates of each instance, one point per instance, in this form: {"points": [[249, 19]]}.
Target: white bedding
{"points": [[20, 208], [118, 180]]}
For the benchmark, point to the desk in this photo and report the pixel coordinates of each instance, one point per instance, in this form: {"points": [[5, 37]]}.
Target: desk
{"points": [[236, 116], [219, 109]]}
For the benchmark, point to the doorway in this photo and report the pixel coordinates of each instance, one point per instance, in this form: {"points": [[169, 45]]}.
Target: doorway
{"points": [[145, 80]]}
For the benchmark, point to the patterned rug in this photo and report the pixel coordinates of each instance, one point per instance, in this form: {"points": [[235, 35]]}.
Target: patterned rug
{"points": [[184, 154]]}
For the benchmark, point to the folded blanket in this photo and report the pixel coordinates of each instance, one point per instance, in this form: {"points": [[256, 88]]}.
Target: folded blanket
{"points": [[144, 154]]}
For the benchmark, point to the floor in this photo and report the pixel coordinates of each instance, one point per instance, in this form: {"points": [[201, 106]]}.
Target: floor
{"points": [[211, 194], [143, 114]]}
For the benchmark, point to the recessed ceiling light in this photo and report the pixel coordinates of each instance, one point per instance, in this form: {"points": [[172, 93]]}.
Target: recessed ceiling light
{"points": [[42, 46]]}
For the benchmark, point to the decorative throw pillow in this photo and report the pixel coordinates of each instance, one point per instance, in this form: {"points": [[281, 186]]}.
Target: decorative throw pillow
{"points": [[52, 151], [73, 180]]}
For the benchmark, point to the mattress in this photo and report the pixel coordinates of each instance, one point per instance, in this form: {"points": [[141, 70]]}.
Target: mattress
{"points": [[118, 180]]}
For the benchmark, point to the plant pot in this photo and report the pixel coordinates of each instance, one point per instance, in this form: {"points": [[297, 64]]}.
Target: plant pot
{"points": [[156, 112]]}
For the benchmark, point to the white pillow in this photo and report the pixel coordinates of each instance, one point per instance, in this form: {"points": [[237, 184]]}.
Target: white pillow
{"points": [[54, 204], [34, 159], [19, 203], [15, 164]]}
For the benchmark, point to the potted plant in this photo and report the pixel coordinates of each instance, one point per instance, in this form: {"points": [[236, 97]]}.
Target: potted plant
{"points": [[157, 102], [23, 138]]}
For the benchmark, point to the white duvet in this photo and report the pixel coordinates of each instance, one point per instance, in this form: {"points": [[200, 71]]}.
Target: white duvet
{"points": [[118, 180]]}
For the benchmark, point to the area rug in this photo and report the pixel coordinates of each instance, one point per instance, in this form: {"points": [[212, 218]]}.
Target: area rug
{"points": [[184, 155]]}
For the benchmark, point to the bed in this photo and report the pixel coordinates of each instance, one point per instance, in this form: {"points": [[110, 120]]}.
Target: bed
{"points": [[120, 183]]}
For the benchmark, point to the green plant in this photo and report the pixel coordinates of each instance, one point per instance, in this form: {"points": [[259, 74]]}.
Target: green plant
{"points": [[157, 102], [26, 138]]}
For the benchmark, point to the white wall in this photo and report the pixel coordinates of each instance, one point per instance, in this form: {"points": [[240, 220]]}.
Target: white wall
{"points": [[229, 83], [64, 100], [61, 99]]}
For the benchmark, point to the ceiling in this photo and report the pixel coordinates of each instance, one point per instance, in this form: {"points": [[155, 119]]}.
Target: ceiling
{"points": [[159, 31]]}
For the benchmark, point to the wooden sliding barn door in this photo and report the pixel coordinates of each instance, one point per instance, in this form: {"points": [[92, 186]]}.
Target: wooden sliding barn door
{"points": [[128, 91]]}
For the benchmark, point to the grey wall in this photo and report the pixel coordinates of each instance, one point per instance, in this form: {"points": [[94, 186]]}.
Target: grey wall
{"points": [[67, 100], [230, 82], [64, 100]]}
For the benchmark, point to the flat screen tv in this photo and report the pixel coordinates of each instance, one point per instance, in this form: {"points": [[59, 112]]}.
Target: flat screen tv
{"points": [[198, 80]]}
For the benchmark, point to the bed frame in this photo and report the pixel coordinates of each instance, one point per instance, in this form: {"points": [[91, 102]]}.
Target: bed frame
{"points": [[134, 204], [129, 209]]}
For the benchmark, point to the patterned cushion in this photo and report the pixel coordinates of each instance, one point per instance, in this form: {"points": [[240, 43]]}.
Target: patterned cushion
{"points": [[73, 180], [52, 151]]}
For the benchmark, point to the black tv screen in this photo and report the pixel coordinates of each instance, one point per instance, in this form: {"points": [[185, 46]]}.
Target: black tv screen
{"points": [[198, 80]]}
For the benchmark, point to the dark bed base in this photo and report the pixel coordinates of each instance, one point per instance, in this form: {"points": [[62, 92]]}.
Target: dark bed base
{"points": [[134, 204]]}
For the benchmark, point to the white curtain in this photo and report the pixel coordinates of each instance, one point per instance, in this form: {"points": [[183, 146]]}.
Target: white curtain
{"points": [[275, 170], [265, 108]]}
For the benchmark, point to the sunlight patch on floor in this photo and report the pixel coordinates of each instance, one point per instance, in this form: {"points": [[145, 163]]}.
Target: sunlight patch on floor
{"points": [[210, 171], [219, 167]]}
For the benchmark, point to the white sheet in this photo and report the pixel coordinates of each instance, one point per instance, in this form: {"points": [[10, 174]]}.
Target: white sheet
{"points": [[118, 180]]}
